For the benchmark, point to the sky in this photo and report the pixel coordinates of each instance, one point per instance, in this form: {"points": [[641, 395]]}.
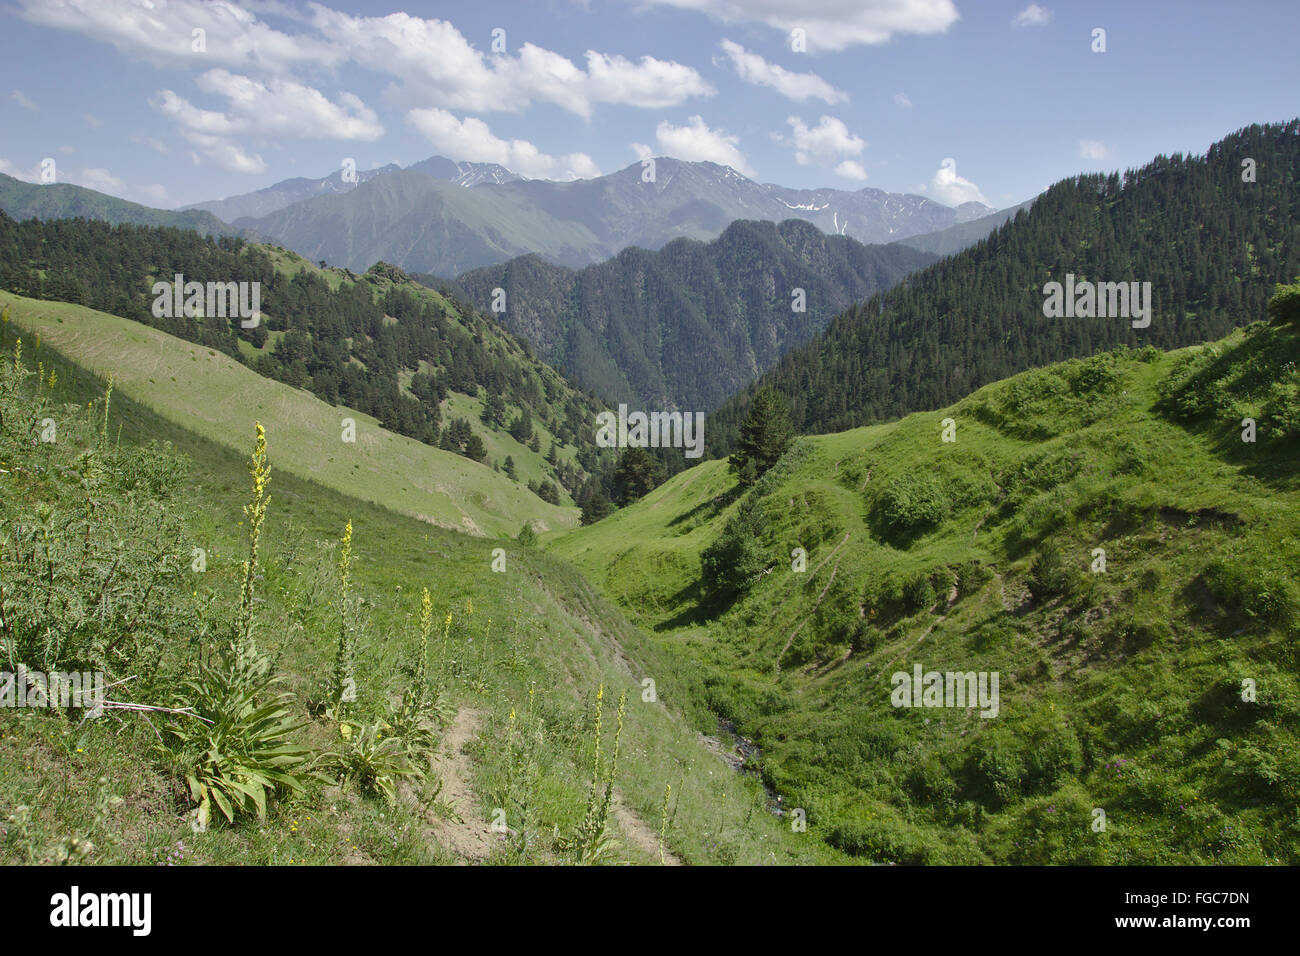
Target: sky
{"points": [[170, 102]]}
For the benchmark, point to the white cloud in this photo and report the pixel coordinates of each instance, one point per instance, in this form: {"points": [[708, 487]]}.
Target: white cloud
{"points": [[100, 180], [824, 143], [275, 108], [152, 142], [161, 31], [32, 175], [1093, 149], [471, 140], [903, 100], [1033, 16], [18, 97], [93, 121], [752, 68], [696, 142], [434, 62], [833, 24], [278, 108], [948, 187], [851, 170]]}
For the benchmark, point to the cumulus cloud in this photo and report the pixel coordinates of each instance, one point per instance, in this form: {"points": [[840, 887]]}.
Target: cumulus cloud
{"points": [[850, 169], [471, 140], [823, 144], [948, 187], [752, 68], [903, 100], [1093, 149], [1033, 16], [100, 180], [432, 60], [18, 97], [833, 24], [163, 32], [280, 108], [27, 175], [696, 142]]}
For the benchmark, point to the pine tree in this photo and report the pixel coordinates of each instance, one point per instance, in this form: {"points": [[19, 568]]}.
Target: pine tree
{"points": [[764, 436]]}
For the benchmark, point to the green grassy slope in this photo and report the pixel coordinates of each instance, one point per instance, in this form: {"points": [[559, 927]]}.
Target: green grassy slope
{"points": [[218, 398], [531, 643], [1120, 690]]}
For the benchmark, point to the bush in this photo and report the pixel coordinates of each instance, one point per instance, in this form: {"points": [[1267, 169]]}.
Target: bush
{"points": [[1048, 575], [918, 593], [1251, 590], [730, 565], [1284, 306], [911, 504]]}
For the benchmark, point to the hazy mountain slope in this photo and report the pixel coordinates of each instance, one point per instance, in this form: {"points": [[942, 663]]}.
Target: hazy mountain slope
{"points": [[23, 200], [263, 202], [438, 228], [954, 239], [1211, 245], [1120, 689], [688, 325]]}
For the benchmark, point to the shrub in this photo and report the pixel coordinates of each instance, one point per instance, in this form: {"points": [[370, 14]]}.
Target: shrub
{"points": [[1048, 576], [730, 565], [1284, 306], [918, 593], [911, 504]]}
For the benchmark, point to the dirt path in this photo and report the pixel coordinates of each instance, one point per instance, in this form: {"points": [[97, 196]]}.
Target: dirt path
{"points": [[952, 600], [636, 832], [470, 838]]}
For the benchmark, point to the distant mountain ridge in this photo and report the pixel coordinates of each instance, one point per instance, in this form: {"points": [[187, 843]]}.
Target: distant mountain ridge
{"points": [[23, 200], [263, 202], [420, 219], [686, 326]]}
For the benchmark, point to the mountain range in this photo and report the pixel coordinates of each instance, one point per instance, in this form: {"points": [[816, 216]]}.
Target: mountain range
{"points": [[421, 219], [686, 326]]}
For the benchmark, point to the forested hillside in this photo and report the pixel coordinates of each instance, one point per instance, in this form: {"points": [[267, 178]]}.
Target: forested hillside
{"points": [[687, 326], [377, 342], [1211, 244]]}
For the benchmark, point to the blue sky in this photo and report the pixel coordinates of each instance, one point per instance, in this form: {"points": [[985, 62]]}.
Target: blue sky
{"points": [[954, 99]]}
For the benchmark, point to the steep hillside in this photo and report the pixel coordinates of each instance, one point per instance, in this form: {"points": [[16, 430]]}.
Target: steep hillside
{"points": [[379, 342], [424, 225], [23, 200], [514, 665], [1210, 244], [210, 394], [1097, 534], [689, 325]]}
